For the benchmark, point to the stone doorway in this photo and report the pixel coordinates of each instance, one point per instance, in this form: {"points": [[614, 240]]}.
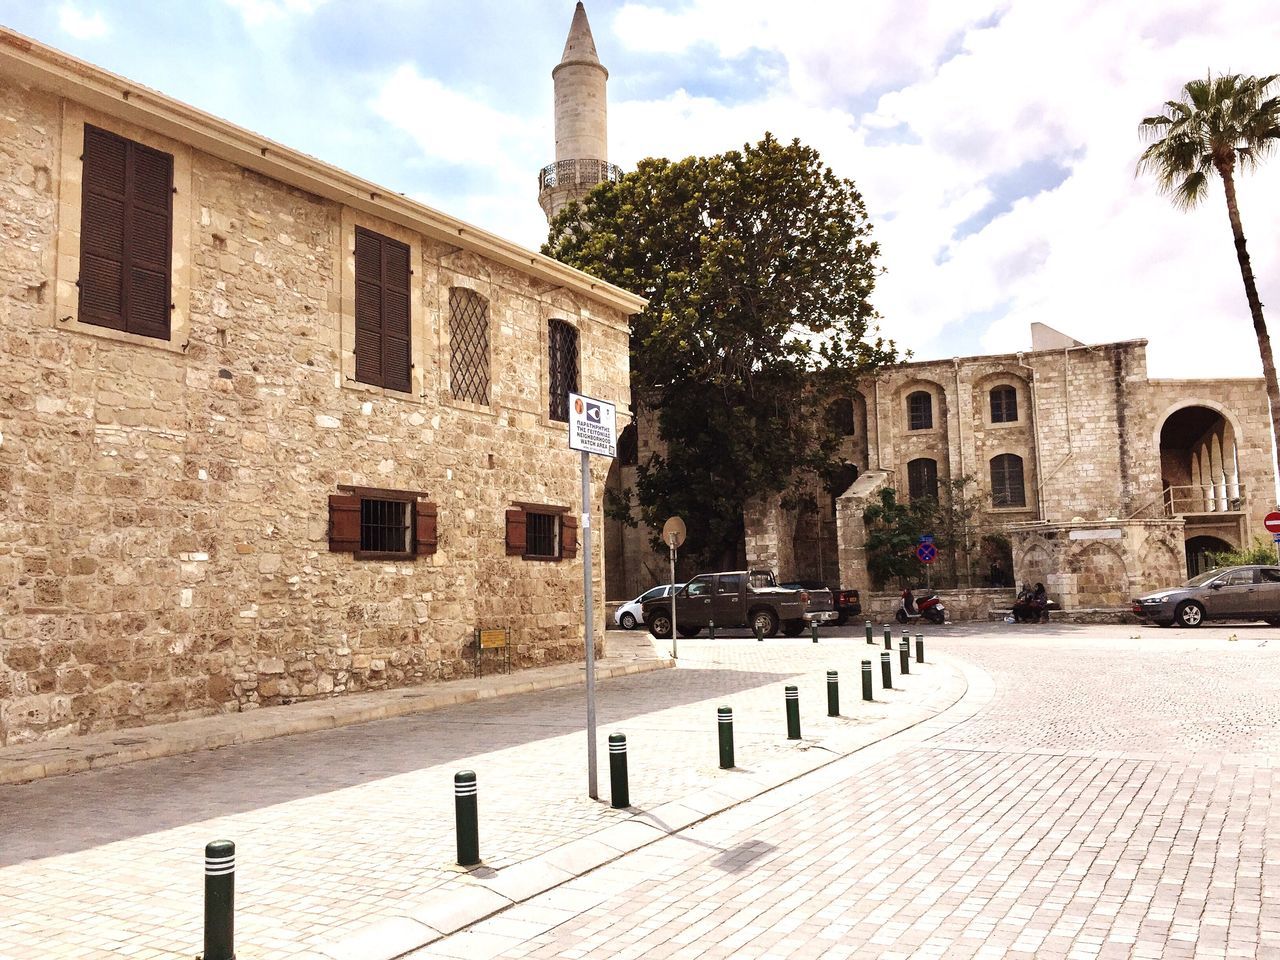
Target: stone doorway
{"points": [[1198, 553]]}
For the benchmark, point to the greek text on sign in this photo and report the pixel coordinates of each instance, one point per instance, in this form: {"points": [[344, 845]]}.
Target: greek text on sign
{"points": [[591, 426]]}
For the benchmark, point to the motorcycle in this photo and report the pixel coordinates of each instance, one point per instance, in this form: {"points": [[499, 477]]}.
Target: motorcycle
{"points": [[928, 607]]}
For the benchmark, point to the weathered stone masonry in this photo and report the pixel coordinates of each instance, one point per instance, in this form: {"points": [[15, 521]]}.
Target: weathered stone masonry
{"points": [[163, 504]]}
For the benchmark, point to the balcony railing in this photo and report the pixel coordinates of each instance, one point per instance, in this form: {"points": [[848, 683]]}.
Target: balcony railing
{"points": [[577, 173], [1204, 498]]}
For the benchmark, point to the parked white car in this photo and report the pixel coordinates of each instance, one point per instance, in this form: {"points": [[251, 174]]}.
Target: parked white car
{"points": [[629, 615]]}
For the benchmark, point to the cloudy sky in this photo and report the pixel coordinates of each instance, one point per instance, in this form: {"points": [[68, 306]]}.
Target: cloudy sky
{"points": [[994, 141]]}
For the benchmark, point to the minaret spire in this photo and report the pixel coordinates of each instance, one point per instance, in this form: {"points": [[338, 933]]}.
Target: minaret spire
{"points": [[582, 129]]}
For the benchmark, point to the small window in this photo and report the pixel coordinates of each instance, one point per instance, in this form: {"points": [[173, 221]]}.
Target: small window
{"points": [[1240, 578], [469, 346], [729, 583], [1004, 405], [377, 524], [699, 587], [920, 411], [541, 533], [382, 350], [126, 233], [1007, 488], [562, 357], [840, 417], [1270, 575], [922, 478]]}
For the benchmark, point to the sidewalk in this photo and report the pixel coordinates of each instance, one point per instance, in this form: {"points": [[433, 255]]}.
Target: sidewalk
{"points": [[345, 838]]}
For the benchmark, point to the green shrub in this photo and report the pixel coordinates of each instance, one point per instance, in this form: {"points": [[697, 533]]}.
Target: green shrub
{"points": [[1260, 551]]}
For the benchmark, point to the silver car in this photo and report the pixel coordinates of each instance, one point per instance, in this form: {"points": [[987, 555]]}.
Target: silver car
{"points": [[1228, 593]]}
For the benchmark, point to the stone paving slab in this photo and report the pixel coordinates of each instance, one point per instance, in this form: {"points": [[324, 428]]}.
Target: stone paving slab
{"points": [[345, 832]]}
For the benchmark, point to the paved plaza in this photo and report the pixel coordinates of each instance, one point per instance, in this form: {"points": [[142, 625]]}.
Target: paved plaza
{"points": [[1050, 792]]}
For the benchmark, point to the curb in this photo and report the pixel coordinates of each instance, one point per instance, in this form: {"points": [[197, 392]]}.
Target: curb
{"points": [[53, 758], [447, 913]]}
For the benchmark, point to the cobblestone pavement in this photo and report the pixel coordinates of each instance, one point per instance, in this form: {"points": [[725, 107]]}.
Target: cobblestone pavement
{"points": [[338, 829], [1111, 798]]}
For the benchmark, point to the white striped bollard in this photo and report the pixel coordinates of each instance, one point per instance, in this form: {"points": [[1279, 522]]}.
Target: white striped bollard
{"points": [[619, 790], [793, 712], [919, 648], [466, 817], [220, 900], [724, 720]]}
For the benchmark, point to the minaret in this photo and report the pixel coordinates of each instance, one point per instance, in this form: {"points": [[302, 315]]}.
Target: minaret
{"points": [[582, 130]]}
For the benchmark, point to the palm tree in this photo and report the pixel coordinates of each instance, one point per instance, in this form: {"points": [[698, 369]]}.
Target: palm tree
{"points": [[1218, 124]]}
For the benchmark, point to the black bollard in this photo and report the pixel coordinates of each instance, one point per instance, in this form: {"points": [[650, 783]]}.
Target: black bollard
{"points": [[886, 678], [813, 629], [793, 713], [755, 625], [220, 900], [919, 648], [866, 680], [906, 635], [869, 637], [833, 693], [619, 794], [724, 718], [888, 637], [904, 656], [466, 817], [711, 629]]}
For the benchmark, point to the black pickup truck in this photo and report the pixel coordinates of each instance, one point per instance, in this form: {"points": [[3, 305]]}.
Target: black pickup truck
{"points": [[739, 598], [848, 603]]}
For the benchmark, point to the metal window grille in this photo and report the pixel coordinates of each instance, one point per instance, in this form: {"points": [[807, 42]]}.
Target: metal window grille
{"points": [[562, 347], [1004, 405], [469, 346], [540, 535], [922, 478], [385, 526], [919, 411], [1007, 489]]}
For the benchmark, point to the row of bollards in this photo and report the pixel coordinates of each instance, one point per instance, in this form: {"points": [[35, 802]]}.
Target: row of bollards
{"points": [[220, 855]]}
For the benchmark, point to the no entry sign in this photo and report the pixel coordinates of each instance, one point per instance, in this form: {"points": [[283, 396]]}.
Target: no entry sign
{"points": [[926, 553], [1272, 522]]}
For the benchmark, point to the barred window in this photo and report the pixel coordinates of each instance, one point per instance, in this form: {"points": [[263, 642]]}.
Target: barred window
{"points": [[381, 524], [469, 346], [1004, 405], [920, 411], [922, 478], [1007, 488], [540, 535], [385, 526], [562, 356]]}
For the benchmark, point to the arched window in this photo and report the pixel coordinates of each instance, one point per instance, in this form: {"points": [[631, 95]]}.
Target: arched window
{"points": [[1004, 404], [919, 411], [840, 417], [922, 478], [1007, 489], [628, 445], [562, 362], [468, 346]]}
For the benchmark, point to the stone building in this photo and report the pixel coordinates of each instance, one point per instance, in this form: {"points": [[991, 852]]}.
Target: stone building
{"points": [[267, 431]]}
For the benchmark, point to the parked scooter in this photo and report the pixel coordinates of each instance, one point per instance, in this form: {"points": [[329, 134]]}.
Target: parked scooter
{"points": [[928, 607]]}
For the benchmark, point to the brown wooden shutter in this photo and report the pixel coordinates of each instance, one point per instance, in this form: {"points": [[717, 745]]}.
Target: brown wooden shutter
{"points": [[368, 300], [568, 536], [395, 315], [126, 235], [102, 228], [344, 523], [515, 532], [425, 536]]}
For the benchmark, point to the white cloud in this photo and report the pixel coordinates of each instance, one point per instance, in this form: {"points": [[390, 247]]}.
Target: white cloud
{"points": [[257, 12], [81, 25]]}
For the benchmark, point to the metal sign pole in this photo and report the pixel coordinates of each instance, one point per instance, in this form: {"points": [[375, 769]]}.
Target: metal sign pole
{"points": [[592, 790], [675, 653]]}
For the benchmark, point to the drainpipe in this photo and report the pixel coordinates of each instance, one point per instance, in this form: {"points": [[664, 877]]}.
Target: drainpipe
{"points": [[1035, 437], [968, 560]]}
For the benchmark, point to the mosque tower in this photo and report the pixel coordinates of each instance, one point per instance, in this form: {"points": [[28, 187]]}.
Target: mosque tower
{"points": [[582, 134]]}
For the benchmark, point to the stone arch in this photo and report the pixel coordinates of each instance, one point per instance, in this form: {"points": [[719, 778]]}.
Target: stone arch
{"points": [[938, 397], [982, 389], [1034, 565], [1199, 458], [1199, 550], [1101, 576]]}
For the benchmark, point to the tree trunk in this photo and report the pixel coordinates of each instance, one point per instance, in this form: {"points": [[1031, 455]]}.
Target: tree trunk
{"points": [[1255, 307]]}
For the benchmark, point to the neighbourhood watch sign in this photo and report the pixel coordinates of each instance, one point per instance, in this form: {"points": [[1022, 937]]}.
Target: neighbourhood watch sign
{"points": [[591, 426]]}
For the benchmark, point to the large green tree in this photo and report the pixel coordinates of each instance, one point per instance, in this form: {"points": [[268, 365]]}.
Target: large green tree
{"points": [[759, 267], [1218, 125]]}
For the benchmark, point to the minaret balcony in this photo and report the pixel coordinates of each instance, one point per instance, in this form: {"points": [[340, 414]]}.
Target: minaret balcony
{"points": [[577, 173]]}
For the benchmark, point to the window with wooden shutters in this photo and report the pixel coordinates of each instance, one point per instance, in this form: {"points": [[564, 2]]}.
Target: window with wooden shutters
{"points": [[562, 356], [537, 532], [1007, 486], [126, 235], [382, 311], [1004, 404], [468, 346], [920, 411], [922, 478], [382, 524]]}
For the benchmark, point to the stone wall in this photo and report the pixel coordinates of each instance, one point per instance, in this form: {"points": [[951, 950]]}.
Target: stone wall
{"points": [[163, 505], [962, 606]]}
